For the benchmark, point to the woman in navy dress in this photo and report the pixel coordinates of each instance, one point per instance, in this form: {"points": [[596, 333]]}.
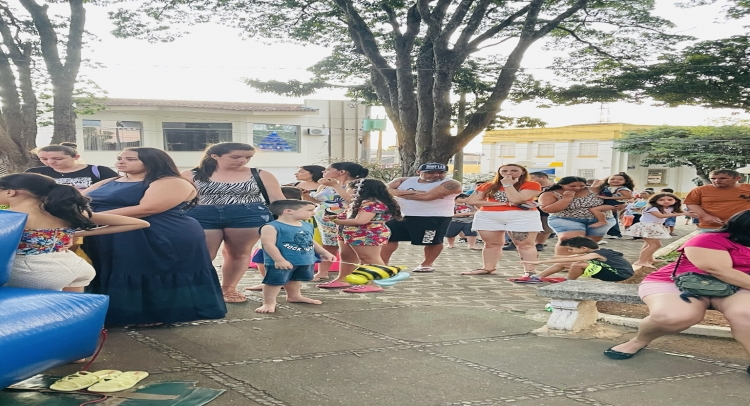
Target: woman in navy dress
{"points": [[160, 274]]}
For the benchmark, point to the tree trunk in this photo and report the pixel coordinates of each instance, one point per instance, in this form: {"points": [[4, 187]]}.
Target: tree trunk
{"points": [[12, 158], [64, 116]]}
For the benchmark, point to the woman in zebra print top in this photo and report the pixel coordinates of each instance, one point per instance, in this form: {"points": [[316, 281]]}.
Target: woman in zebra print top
{"points": [[231, 208]]}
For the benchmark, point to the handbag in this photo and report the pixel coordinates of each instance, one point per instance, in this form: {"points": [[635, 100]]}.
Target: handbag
{"points": [[627, 220], [697, 285]]}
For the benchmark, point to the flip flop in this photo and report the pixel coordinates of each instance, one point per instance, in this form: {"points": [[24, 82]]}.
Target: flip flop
{"points": [[553, 280], [423, 269], [234, 297], [82, 380], [333, 285], [124, 381], [479, 272], [526, 279], [363, 289]]}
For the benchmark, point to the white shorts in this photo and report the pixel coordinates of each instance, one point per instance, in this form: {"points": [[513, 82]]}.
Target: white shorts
{"points": [[522, 221], [52, 271]]}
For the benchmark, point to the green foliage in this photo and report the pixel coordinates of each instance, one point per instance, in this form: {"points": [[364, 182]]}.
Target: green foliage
{"points": [[703, 148]]}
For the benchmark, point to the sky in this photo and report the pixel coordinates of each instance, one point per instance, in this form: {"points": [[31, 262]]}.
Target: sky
{"points": [[209, 63]]}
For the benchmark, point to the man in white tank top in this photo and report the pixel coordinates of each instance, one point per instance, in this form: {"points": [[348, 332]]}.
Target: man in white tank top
{"points": [[427, 203]]}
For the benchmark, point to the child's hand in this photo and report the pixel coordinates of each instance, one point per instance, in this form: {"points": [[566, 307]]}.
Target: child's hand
{"points": [[327, 257], [283, 265]]}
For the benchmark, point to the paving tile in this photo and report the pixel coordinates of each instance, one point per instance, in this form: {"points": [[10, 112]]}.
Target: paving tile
{"points": [[440, 323], [263, 339], [721, 390], [392, 378], [569, 363]]}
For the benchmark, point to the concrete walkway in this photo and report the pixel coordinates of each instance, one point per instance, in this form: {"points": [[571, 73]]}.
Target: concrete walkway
{"points": [[435, 339]]}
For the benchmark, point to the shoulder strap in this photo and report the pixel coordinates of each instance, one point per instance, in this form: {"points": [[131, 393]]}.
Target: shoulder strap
{"points": [[95, 171], [256, 176], [676, 264]]}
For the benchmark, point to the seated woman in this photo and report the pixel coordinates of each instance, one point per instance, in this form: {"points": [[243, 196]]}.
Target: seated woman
{"points": [[723, 254]]}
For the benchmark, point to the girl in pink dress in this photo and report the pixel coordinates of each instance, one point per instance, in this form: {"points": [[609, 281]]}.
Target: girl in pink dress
{"points": [[362, 229]]}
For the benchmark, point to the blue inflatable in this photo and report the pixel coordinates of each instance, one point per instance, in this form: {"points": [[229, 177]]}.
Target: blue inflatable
{"points": [[41, 329]]}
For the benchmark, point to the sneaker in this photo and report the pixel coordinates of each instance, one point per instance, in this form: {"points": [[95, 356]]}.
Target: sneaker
{"points": [[612, 237], [602, 242], [509, 247], [540, 247]]}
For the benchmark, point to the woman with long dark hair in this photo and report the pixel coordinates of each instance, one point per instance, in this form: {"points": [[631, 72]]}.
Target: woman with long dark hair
{"points": [[723, 254], [161, 274], [56, 215], [232, 207]]}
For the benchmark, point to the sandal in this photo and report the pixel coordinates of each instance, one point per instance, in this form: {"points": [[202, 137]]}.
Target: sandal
{"points": [[234, 297], [82, 380], [333, 285], [423, 269], [320, 278], [479, 271], [124, 381]]}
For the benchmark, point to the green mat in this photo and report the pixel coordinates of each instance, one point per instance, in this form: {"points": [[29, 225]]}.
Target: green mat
{"points": [[35, 391]]}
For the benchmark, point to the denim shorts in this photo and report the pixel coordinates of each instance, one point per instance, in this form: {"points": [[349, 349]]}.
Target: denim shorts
{"points": [[219, 216], [280, 277], [562, 225], [670, 222]]}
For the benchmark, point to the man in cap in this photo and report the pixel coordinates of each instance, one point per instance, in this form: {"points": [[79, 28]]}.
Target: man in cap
{"points": [[426, 202]]}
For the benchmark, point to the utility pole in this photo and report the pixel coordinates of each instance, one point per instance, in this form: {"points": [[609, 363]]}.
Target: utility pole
{"points": [[458, 159]]}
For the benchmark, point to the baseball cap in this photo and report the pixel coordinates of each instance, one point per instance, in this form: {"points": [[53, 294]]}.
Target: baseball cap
{"points": [[433, 166]]}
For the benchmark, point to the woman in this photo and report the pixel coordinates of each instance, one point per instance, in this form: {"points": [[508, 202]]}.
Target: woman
{"points": [[333, 199], [232, 207], [160, 274], [622, 185], [308, 177], [569, 202], [725, 255], [506, 204], [61, 164]]}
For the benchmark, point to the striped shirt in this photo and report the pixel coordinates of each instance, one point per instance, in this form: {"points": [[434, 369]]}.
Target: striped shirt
{"points": [[217, 193]]}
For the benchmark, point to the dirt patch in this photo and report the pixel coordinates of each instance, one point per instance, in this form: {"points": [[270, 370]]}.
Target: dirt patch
{"points": [[713, 318]]}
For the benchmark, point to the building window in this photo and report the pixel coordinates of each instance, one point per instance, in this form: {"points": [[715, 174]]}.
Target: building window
{"points": [[194, 136], [110, 135], [507, 150], [546, 150], [276, 137], [587, 173], [588, 149], [656, 177]]}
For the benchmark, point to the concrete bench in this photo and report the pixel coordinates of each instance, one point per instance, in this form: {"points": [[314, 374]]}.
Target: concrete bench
{"points": [[574, 302]]}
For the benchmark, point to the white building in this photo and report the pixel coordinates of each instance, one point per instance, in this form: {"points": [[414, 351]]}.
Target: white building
{"points": [[285, 136], [579, 150]]}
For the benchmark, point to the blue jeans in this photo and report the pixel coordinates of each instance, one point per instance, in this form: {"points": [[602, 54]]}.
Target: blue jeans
{"points": [[564, 224], [220, 216]]}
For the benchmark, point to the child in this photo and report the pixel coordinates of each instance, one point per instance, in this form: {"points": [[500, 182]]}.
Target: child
{"points": [[289, 192], [672, 221], [619, 187], [289, 253], [362, 229], [462, 218], [650, 228], [586, 259], [57, 214]]}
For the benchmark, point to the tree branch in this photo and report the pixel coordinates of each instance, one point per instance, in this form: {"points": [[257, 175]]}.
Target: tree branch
{"points": [[580, 4], [47, 34], [474, 44], [457, 18], [589, 44]]}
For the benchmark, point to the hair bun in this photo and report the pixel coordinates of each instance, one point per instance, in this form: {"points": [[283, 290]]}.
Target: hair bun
{"points": [[69, 144], [364, 172]]}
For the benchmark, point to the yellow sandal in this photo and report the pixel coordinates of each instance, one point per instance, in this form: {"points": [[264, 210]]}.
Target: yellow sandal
{"points": [[82, 380], [124, 381]]}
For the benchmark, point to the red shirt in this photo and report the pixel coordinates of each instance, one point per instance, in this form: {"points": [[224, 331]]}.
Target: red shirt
{"points": [[501, 197]]}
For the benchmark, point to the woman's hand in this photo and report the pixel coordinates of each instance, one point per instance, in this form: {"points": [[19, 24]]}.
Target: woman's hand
{"points": [[568, 194], [328, 182], [508, 182]]}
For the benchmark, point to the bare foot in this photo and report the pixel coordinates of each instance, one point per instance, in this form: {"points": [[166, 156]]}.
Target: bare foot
{"points": [[303, 299], [450, 246], [320, 277], [266, 308], [479, 272], [598, 224], [256, 288]]}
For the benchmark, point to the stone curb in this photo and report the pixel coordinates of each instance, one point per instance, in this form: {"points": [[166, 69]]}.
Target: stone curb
{"points": [[674, 244], [698, 330]]}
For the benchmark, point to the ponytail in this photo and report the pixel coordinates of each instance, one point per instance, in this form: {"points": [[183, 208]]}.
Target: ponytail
{"points": [[62, 201], [207, 165], [354, 169]]}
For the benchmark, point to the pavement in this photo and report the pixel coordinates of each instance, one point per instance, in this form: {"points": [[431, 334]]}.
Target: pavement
{"points": [[434, 339]]}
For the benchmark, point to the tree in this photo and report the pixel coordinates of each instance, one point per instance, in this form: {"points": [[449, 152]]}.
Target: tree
{"points": [[26, 36], [411, 50], [702, 148], [712, 74]]}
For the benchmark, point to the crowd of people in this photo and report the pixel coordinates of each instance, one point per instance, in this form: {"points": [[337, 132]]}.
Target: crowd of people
{"points": [[147, 234]]}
